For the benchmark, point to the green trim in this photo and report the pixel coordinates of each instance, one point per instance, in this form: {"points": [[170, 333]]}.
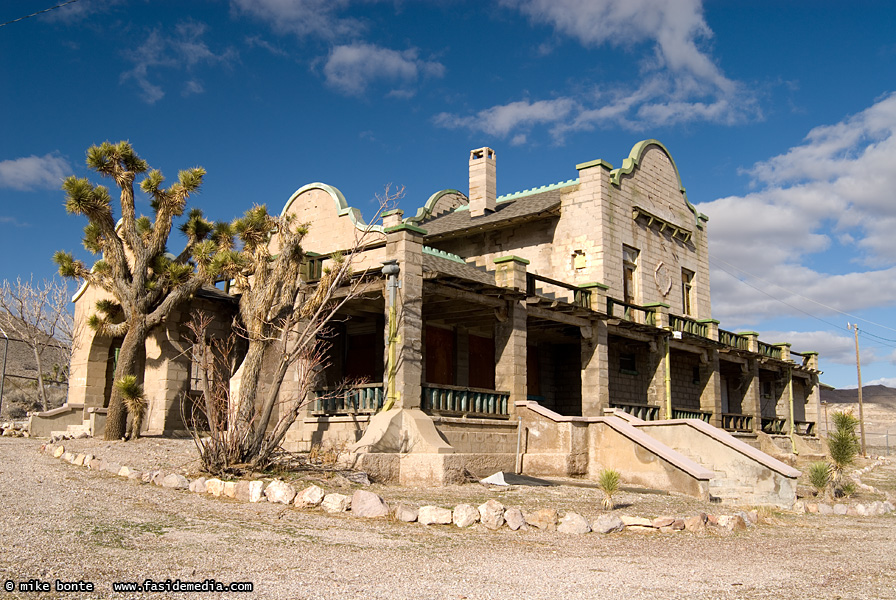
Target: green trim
{"points": [[781, 344], [425, 211], [628, 372], [594, 163], [634, 159], [443, 254], [504, 259], [708, 321], [655, 305], [538, 190], [593, 284], [810, 352], [392, 212], [342, 207], [747, 333], [405, 227]]}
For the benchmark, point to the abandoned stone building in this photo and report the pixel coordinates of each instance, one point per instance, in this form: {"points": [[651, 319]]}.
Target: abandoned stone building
{"points": [[554, 331]]}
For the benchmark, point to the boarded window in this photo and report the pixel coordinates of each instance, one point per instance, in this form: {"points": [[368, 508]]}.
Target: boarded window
{"points": [[629, 267], [687, 290], [482, 362], [439, 356]]}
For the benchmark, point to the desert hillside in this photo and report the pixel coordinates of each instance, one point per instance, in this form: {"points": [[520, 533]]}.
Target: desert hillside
{"points": [[879, 404]]}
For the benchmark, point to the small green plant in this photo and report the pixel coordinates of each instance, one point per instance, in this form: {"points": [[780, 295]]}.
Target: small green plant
{"points": [[843, 444], [847, 489], [819, 476], [608, 482]]}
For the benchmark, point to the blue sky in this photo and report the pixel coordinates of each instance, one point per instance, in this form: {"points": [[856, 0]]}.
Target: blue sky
{"points": [[781, 118]]}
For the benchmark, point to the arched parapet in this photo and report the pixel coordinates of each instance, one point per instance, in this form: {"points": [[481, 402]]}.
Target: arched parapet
{"points": [[439, 203], [333, 224], [635, 160]]}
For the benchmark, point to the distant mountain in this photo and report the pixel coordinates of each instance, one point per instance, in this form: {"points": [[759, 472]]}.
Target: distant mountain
{"points": [[875, 394]]}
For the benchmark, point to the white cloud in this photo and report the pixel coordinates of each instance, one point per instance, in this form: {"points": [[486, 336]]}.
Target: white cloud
{"points": [[835, 187], [314, 18], [352, 69], [34, 172], [838, 349], [889, 382], [678, 81], [183, 50], [504, 119]]}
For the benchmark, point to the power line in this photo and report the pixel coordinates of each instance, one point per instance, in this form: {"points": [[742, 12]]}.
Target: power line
{"points": [[40, 12], [823, 305]]}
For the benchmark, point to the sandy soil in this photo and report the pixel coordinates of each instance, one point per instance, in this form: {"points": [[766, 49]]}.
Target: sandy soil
{"points": [[65, 522]]}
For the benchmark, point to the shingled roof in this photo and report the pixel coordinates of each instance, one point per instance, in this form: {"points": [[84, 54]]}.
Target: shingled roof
{"points": [[507, 213], [443, 266]]}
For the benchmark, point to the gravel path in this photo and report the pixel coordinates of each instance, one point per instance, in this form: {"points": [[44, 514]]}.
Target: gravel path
{"points": [[58, 521]]}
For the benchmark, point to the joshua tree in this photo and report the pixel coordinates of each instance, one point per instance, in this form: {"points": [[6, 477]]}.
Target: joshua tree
{"points": [[819, 476], [135, 268]]}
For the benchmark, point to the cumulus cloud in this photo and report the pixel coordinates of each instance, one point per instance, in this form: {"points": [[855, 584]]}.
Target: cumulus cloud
{"points": [[315, 18], [835, 187], [34, 172], [182, 50], [678, 83], [352, 69], [502, 120]]}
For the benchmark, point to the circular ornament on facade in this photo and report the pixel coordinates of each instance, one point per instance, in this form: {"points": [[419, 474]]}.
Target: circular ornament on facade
{"points": [[662, 278]]}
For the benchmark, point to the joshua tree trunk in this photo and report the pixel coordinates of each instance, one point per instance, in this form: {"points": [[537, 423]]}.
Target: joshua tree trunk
{"points": [[134, 341]]}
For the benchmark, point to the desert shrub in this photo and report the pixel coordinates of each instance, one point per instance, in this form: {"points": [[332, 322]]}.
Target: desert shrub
{"points": [[819, 476], [608, 481], [843, 445], [847, 489]]}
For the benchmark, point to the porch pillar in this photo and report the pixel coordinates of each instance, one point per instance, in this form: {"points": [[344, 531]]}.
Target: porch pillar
{"points": [[711, 395], [404, 353], [595, 371], [813, 401], [510, 353], [751, 404]]}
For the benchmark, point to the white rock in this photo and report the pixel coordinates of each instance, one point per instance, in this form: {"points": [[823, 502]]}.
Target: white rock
{"points": [[79, 460], [434, 515], [280, 491], [334, 503], [630, 521], [256, 491], [464, 515], [514, 519], [198, 485], [405, 514], [175, 481], [607, 524], [59, 451], [309, 497], [230, 489], [214, 486], [491, 514], [368, 505], [573, 523], [839, 509]]}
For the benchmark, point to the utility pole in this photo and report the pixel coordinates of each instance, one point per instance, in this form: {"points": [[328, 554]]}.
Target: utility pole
{"points": [[855, 327]]}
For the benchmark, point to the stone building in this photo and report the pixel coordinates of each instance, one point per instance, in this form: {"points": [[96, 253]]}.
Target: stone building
{"points": [[557, 331]]}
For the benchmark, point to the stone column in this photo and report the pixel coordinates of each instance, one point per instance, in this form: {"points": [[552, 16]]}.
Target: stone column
{"points": [[711, 394], [751, 404], [595, 371], [510, 354], [405, 244]]}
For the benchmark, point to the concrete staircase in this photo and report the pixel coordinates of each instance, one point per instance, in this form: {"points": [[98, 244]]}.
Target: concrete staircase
{"points": [[73, 430], [722, 488]]}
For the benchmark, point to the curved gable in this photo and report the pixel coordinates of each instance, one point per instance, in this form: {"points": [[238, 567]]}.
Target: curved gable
{"points": [[332, 222], [653, 157], [439, 203]]}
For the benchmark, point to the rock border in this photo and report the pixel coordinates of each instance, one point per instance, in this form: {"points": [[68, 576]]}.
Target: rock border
{"points": [[491, 515]]}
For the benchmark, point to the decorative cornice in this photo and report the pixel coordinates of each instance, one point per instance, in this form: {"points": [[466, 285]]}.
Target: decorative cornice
{"points": [[342, 207]]}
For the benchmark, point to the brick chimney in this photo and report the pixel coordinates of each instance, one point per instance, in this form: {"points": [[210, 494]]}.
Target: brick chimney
{"points": [[483, 186]]}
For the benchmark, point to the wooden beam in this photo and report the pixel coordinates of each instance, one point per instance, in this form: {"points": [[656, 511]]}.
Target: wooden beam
{"points": [[450, 292], [549, 315]]}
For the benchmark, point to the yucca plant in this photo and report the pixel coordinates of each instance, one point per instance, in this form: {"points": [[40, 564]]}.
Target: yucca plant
{"points": [[847, 489], [819, 476], [843, 445], [608, 482]]}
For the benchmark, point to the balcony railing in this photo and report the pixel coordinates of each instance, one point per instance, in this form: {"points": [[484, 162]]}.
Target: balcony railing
{"points": [[631, 312], [451, 400], [733, 340], [580, 297], [769, 350], [639, 411], [356, 400], [687, 325], [687, 413], [736, 422], [805, 427], [773, 424]]}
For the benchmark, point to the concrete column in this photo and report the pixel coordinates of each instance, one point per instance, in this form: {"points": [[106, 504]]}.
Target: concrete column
{"points": [[510, 272], [711, 395], [813, 402], [656, 392], [405, 244], [661, 312], [751, 404], [598, 296], [595, 371], [510, 353]]}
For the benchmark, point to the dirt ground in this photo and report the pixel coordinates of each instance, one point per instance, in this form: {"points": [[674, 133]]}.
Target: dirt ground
{"points": [[59, 521]]}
